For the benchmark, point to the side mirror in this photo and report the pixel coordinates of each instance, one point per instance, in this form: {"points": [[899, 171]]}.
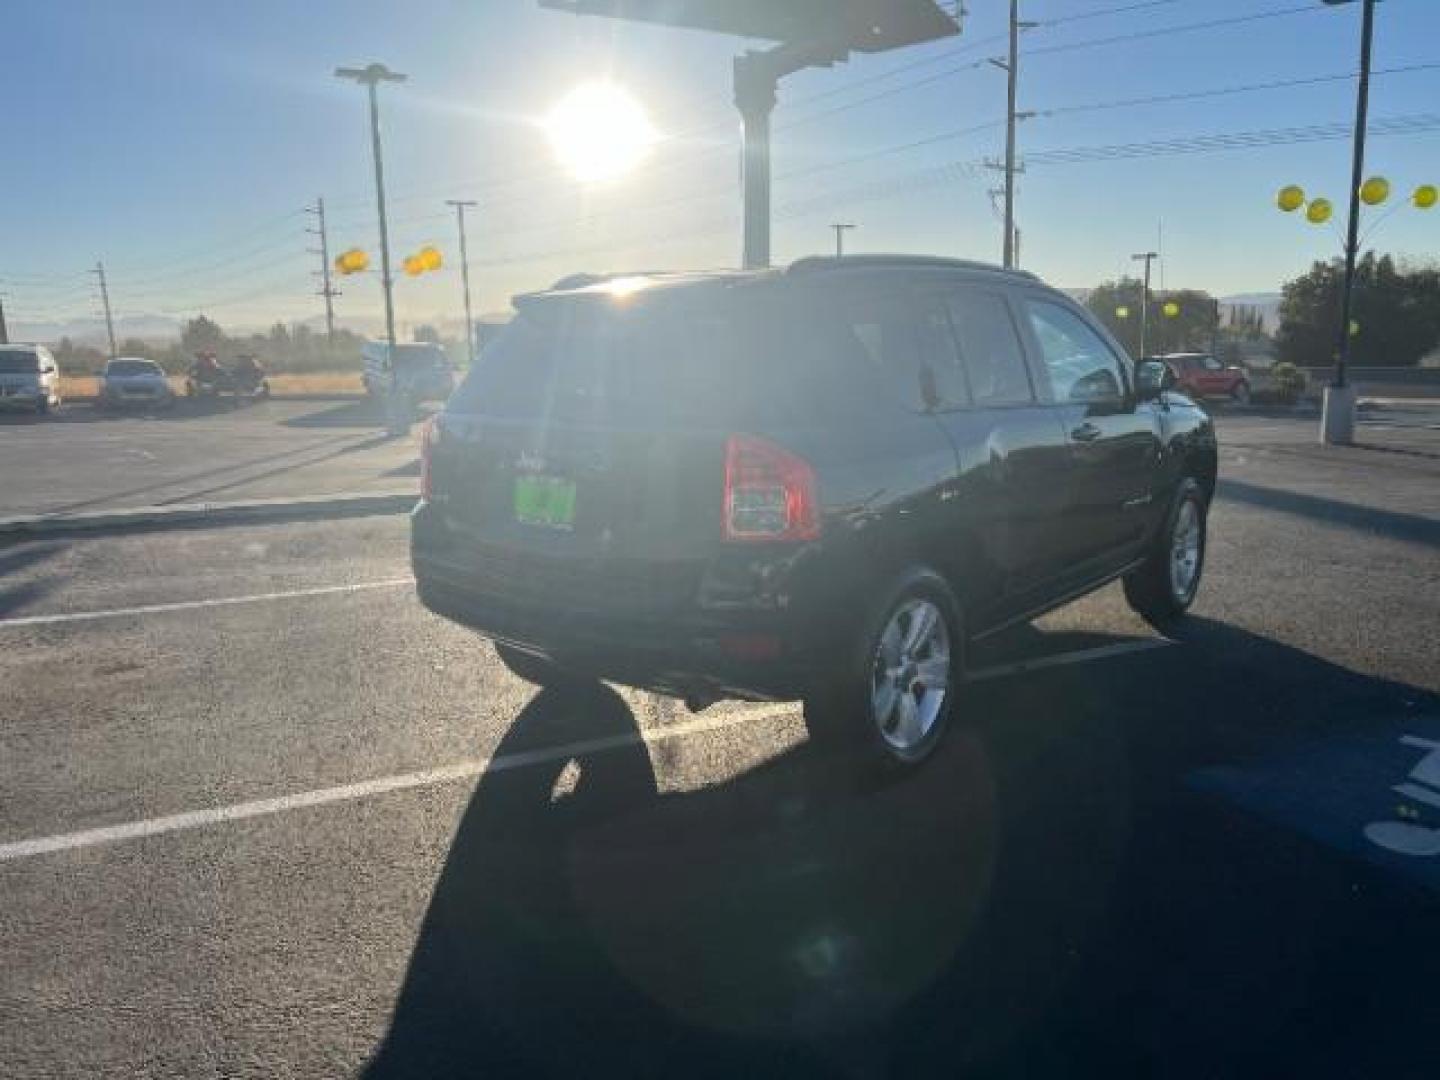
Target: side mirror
{"points": [[1153, 378]]}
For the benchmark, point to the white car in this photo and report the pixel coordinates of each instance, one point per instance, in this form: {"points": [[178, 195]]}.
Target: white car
{"points": [[130, 380], [29, 378]]}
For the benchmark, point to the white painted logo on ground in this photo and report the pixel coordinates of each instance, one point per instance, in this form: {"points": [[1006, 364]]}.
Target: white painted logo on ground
{"points": [[1422, 785]]}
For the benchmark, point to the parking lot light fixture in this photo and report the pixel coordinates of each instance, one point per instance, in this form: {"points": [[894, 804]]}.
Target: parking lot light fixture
{"points": [[370, 77]]}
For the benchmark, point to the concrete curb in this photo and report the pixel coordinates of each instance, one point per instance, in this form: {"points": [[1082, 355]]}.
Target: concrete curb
{"points": [[199, 515]]}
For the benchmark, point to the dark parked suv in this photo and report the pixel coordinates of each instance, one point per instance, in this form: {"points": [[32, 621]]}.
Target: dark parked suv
{"points": [[822, 482]]}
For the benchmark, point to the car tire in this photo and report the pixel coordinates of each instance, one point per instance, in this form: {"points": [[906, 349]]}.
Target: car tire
{"points": [[540, 670], [1240, 395], [1162, 588], [880, 702]]}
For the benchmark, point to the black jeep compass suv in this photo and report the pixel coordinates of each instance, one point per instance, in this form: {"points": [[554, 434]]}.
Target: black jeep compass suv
{"points": [[821, 482]]}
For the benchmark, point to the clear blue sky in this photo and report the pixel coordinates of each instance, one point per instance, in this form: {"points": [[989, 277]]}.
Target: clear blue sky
{"points": [[178, 141]]}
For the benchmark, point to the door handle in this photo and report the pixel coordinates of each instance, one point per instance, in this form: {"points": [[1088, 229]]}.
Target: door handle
{"points": [[1086, 432]]}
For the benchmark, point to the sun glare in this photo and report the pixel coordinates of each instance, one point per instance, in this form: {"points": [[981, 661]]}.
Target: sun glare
{"points": [[599, 132]]}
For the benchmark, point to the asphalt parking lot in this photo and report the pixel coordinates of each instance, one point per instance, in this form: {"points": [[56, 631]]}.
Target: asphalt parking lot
{"points": [[261, 815], [83, 459]]}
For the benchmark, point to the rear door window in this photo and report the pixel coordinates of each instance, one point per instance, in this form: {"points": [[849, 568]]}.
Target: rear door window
{"points": [[942, 374], [990, 348], [884, 333]]}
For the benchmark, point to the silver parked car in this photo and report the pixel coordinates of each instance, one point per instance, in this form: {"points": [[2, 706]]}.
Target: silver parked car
{"points": [[29, 378], [130, 380]]}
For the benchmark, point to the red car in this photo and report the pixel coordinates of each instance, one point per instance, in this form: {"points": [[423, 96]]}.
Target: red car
{"points": [[1202, 376]]}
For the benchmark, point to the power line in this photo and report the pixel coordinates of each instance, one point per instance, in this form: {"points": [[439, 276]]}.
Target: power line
{"points": [[1123, 9], [1171, 31], [1195, 95]]}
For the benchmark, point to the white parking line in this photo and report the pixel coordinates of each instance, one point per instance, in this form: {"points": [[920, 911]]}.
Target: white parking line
{"points": [[1080, 656], [194, 819], [191, 605]]}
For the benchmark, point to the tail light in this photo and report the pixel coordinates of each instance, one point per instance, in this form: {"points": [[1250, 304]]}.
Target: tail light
{"points": [[769, 492], [428, 433]]}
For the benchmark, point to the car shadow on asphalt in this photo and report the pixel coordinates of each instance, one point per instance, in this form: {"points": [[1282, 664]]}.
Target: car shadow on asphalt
{"points": [[1399, 526], [1044, 897], [355, 412], [89, 412], [17, 595]]}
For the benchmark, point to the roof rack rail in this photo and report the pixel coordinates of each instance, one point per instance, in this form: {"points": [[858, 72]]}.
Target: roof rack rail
{"points": [[814, 263], [584, 279]]}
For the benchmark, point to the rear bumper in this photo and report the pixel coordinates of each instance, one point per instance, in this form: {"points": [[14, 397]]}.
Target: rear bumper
{"points": [[23, 399], [136, 397], [734, 652]]}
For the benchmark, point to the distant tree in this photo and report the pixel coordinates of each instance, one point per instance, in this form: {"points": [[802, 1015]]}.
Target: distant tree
{"points": [[428, 333], [135, 347], [1396, 311], [1117, 305], [1191, 328], [202, 335], [77, 359]]}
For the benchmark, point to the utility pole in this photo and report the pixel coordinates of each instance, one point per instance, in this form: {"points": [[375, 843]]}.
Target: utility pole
{"points": [[1149, 257], [99, 272], [1011, 67], [370, 77], [1337, 421], [4, 330], [460, 207], [840, 228], [326, 290]]}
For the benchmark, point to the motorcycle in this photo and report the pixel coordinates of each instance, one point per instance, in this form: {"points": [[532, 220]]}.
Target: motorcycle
{"points": [[250, 383], [238, 383], [206, 384]]}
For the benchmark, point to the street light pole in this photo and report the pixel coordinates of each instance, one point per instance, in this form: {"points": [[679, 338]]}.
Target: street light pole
{"points": [[370, 77], [1337, 423], [1149, 257], [460, 206], [1012, 73], [840, 228]]}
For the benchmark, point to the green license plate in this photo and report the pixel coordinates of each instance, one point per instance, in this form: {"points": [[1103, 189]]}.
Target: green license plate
{"points": [[545, 500]]}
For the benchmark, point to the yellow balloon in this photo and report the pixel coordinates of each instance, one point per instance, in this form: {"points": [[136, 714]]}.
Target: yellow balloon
{"points": [[1319, 211], [352, 261], [1426, 196], [413, 266], [1375, 191], [429, 258], [1122, 312], [1290, 198], [1171, 309]]}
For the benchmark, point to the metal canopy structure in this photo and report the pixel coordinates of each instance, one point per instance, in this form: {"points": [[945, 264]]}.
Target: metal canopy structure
{"points": [[860, 25], [807, 33]]}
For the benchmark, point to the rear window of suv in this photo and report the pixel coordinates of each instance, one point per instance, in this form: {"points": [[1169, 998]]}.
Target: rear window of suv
{"points": [[701, 356], [132, 367], [18, 362]]}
